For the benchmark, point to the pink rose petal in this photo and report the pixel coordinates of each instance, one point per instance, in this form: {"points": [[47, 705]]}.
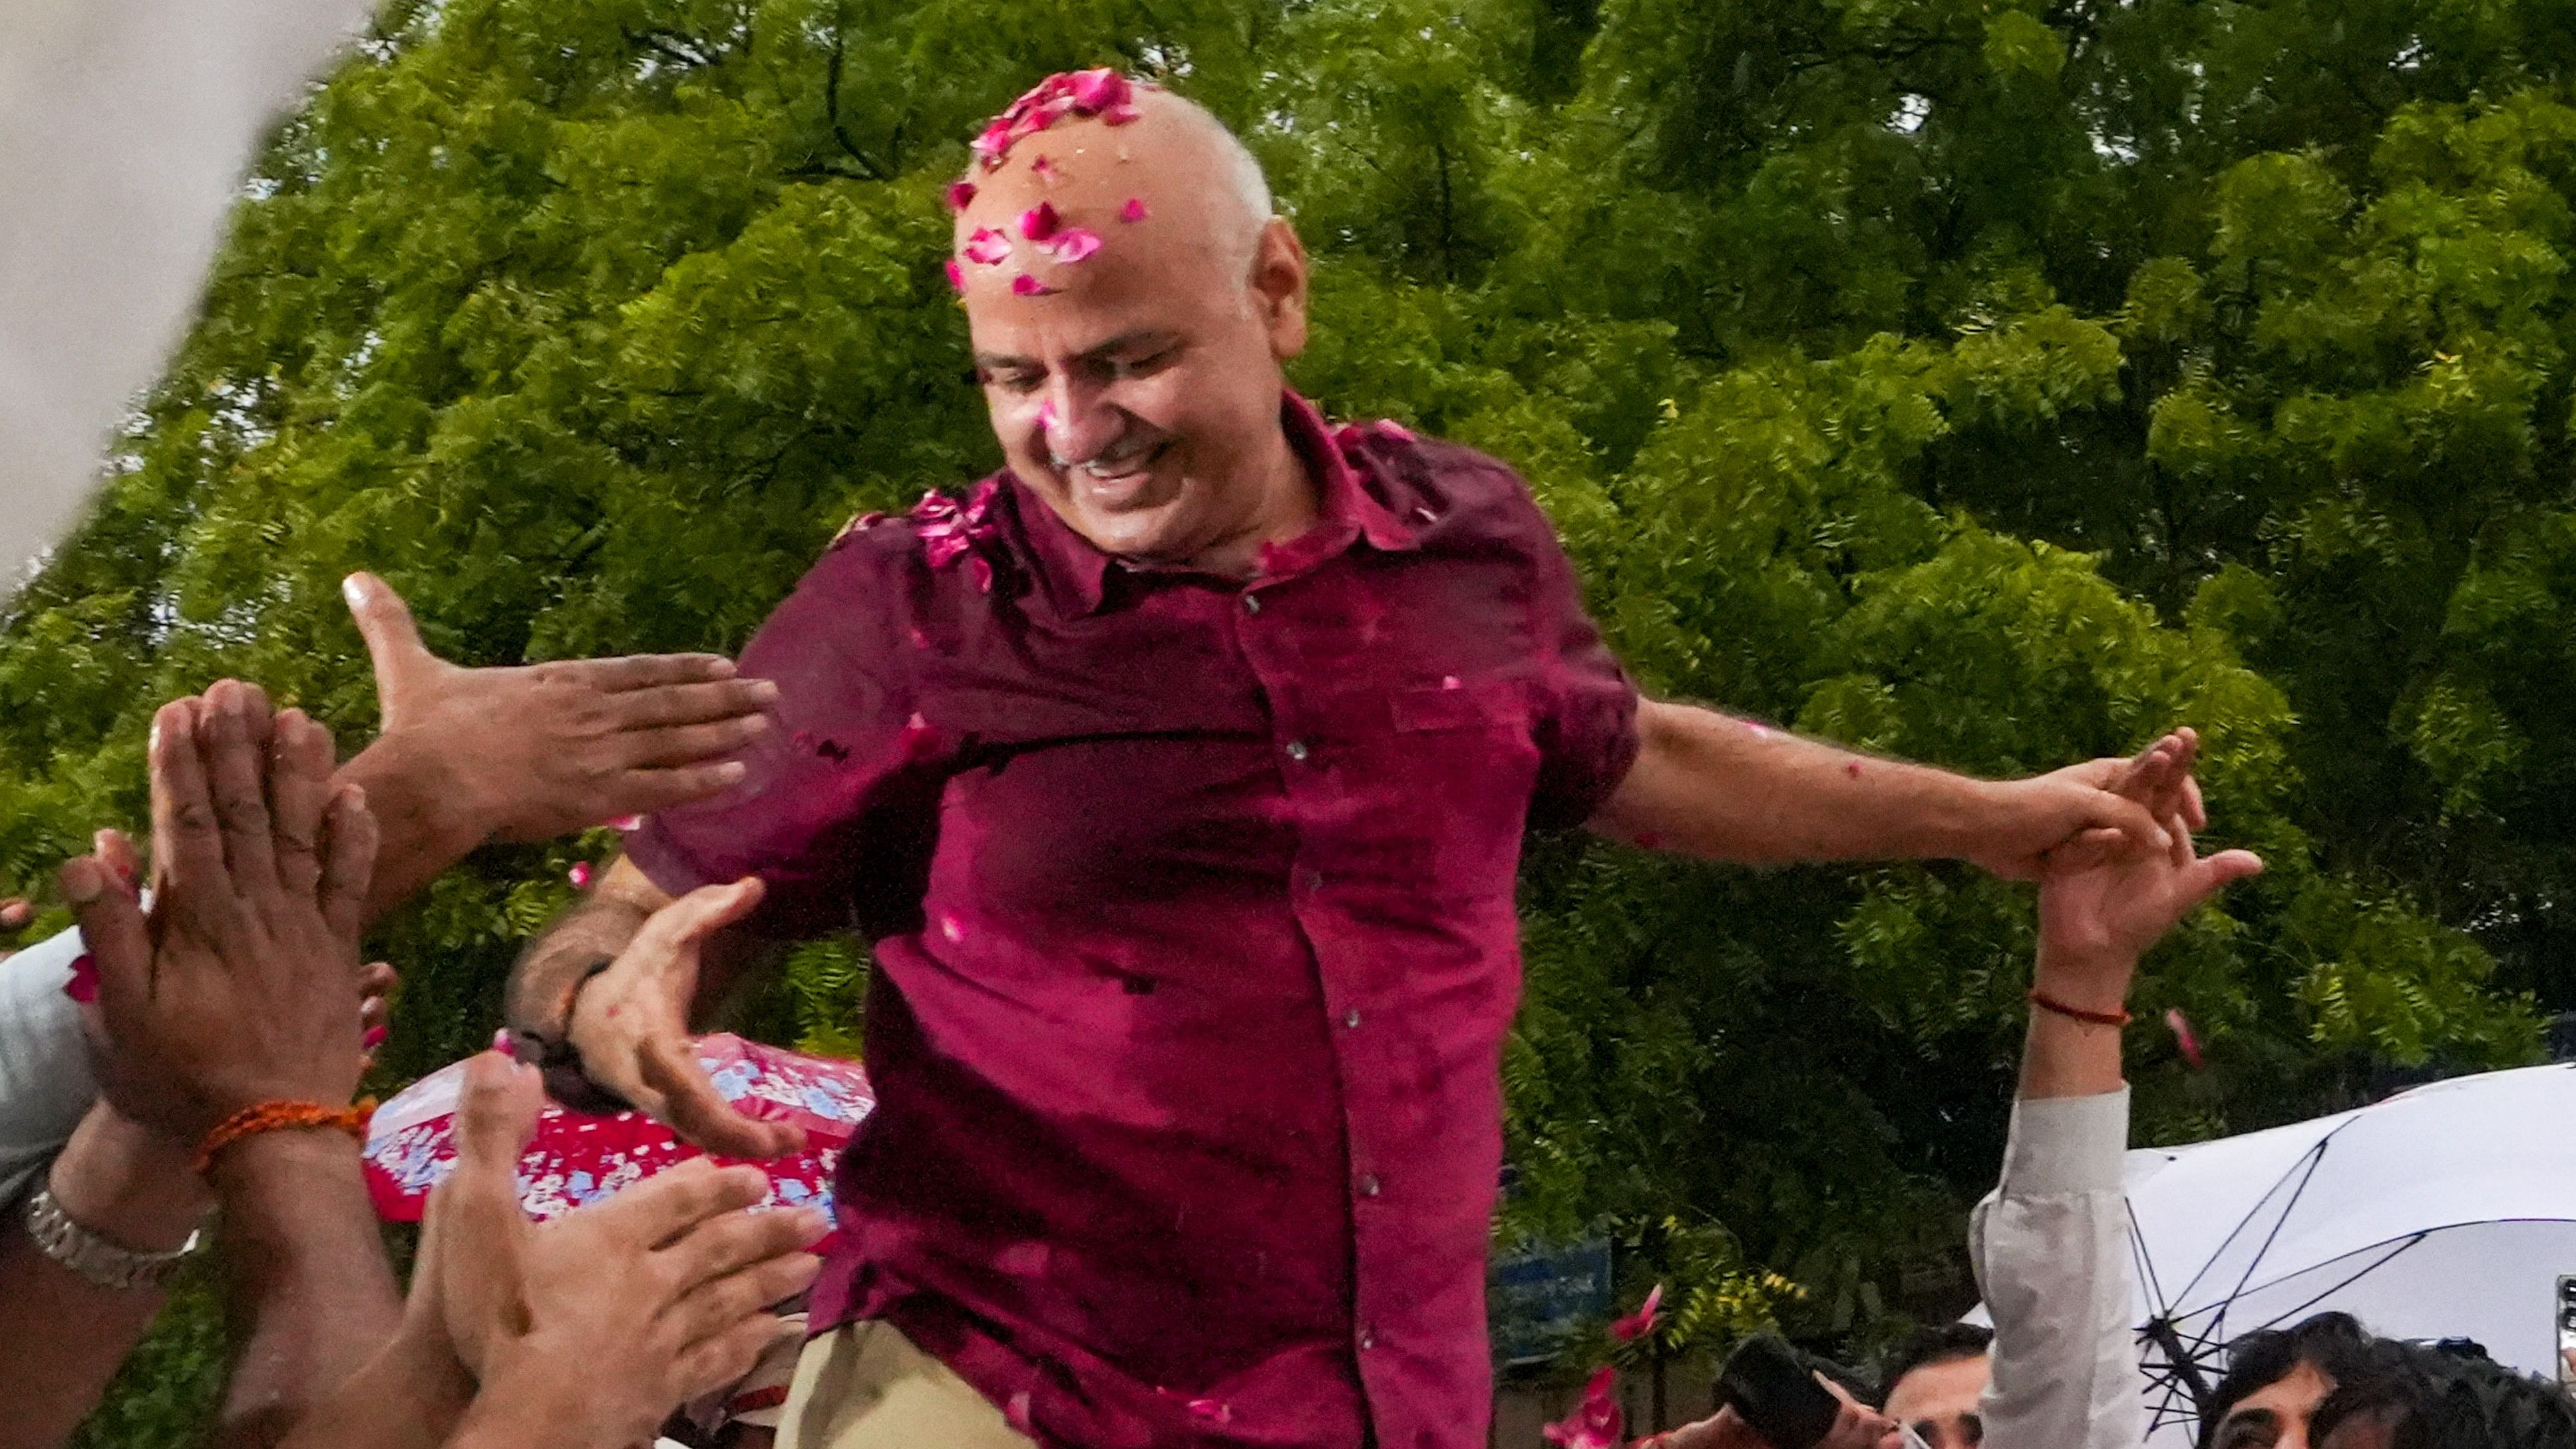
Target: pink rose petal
{"points": [[580, 875], [1396, 430], [628, 824], [1040, 221], [1597, 1422], [960, 195], [1094, 91], [373, 1037], [1120, 115], [988, 247], [1044, 170], [503, 1043], [1134, 210], [1071, 245], [1046, 415], [2184, 1038], [956, 275], [1640, 1323], [83, 987], [1025, 285]]}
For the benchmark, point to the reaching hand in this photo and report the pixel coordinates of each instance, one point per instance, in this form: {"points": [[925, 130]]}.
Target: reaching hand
{"points": [[1857, 1427], [2085, 812], [2098, 915], [243, 986], [540, 750], [600, 1323], [631, 1026]]}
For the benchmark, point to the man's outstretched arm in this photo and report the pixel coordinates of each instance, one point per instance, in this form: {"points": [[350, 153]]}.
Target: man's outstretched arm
{"points": [[1714, 785]]}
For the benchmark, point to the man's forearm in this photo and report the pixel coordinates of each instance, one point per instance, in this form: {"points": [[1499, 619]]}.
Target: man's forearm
{"points": [[308, 1292], [409, 1395], [2066, 1056], [1713, 785], [597, 929], [66, 1334]]}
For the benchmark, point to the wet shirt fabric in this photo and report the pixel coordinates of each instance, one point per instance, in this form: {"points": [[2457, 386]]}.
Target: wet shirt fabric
{"points": [[1191, 907]]}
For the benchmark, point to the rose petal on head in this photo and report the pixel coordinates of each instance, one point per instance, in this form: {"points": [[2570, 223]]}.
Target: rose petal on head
{"points": [[1040, 221], [1120, 115], [1044, 170], [1025, 285], [988, 246], [995, 143], [1134, 210], [1071, 245], [960, 193], [956, 275], [1094, 91]]}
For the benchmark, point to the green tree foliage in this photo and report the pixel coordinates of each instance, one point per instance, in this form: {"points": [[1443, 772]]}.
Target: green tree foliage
{"points": [[1992, 383]]}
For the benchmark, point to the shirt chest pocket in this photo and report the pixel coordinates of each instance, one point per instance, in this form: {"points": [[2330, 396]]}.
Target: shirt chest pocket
{"points": [[1441, 793]]}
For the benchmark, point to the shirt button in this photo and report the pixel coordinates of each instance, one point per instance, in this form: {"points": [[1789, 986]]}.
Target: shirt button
{"points": [[1351, 1018], [1252, 603], [1296, 749], [1368, 1184]]}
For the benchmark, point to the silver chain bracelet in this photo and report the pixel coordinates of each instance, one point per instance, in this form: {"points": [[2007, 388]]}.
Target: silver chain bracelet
{"points": [[100, 1262]]}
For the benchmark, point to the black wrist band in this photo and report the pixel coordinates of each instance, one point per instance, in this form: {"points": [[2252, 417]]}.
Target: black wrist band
{"points": [[558, 1061]]}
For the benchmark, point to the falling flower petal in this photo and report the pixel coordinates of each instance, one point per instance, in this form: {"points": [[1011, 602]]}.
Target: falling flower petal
{"points": [[1642, 1322], [987, 246], [1071, 245], [580, 874], [956, 275], [1025, 285], [1134, 210], [373, 1037], [1040, 221], [83, 987], [2184, 1038], [502, 1042], [960, 194], [628, 824], [1016, 1413], [1597, 1422]]}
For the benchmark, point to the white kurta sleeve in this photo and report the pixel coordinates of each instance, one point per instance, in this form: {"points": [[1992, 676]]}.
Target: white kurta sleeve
{"points": [[2051, 1250], [45, 1080]]}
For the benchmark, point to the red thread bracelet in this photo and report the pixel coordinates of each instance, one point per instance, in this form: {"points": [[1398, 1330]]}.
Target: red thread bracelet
{"points": [[282, 1116], [2046, 1002]]}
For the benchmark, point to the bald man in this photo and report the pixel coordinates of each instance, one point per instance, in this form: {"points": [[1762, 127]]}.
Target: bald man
{"points": [[1176, 775]]}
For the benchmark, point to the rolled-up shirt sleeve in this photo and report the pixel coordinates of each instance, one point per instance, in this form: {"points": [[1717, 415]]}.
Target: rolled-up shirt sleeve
{"points": [[45, 1080], [838, 793], [2050, 1247], [1586, 716]]}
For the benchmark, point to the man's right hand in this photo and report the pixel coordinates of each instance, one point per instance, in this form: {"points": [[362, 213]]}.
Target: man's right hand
{"points": [[540, 750], [631, 1025]]}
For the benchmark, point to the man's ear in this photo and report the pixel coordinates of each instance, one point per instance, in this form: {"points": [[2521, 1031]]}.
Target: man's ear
{"points": [[1278, 287]]}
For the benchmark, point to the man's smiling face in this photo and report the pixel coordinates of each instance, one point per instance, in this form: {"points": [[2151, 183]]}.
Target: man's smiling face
{"points": [[1135, 384]]}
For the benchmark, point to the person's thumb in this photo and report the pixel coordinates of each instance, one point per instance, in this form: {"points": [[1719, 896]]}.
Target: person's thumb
{"points": [[113, 934], [496, 1115], [393, 640], [2218, 872], [709, 909]]}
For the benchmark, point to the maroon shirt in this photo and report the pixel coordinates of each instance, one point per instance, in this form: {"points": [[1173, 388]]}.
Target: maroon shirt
{"points": [[1191, 903]]}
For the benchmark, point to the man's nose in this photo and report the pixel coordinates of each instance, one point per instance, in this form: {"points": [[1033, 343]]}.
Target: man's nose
{"points": [[1078, 422]]}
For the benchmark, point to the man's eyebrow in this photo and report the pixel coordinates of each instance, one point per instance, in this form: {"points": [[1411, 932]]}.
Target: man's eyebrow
{"points": [[1123, 341]]}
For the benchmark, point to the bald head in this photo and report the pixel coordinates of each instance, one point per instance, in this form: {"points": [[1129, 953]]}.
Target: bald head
{"points": [[1146, 169]]}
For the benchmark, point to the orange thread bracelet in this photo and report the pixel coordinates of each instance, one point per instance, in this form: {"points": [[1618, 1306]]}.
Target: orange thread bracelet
{"points": [[2046, 1002], [282, 1116]]}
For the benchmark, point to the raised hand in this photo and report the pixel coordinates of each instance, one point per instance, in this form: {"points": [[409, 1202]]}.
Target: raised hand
{"points": [[2096, 917], [2085, 813], [631, 1023], [600, 1323], [539, 750], [243, 986]]}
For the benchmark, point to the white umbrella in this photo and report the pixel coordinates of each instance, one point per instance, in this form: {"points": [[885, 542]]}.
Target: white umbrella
{"points": [[2448, 1211]]}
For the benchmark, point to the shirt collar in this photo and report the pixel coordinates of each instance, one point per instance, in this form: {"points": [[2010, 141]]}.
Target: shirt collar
{"points": [[1075, 573]]}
